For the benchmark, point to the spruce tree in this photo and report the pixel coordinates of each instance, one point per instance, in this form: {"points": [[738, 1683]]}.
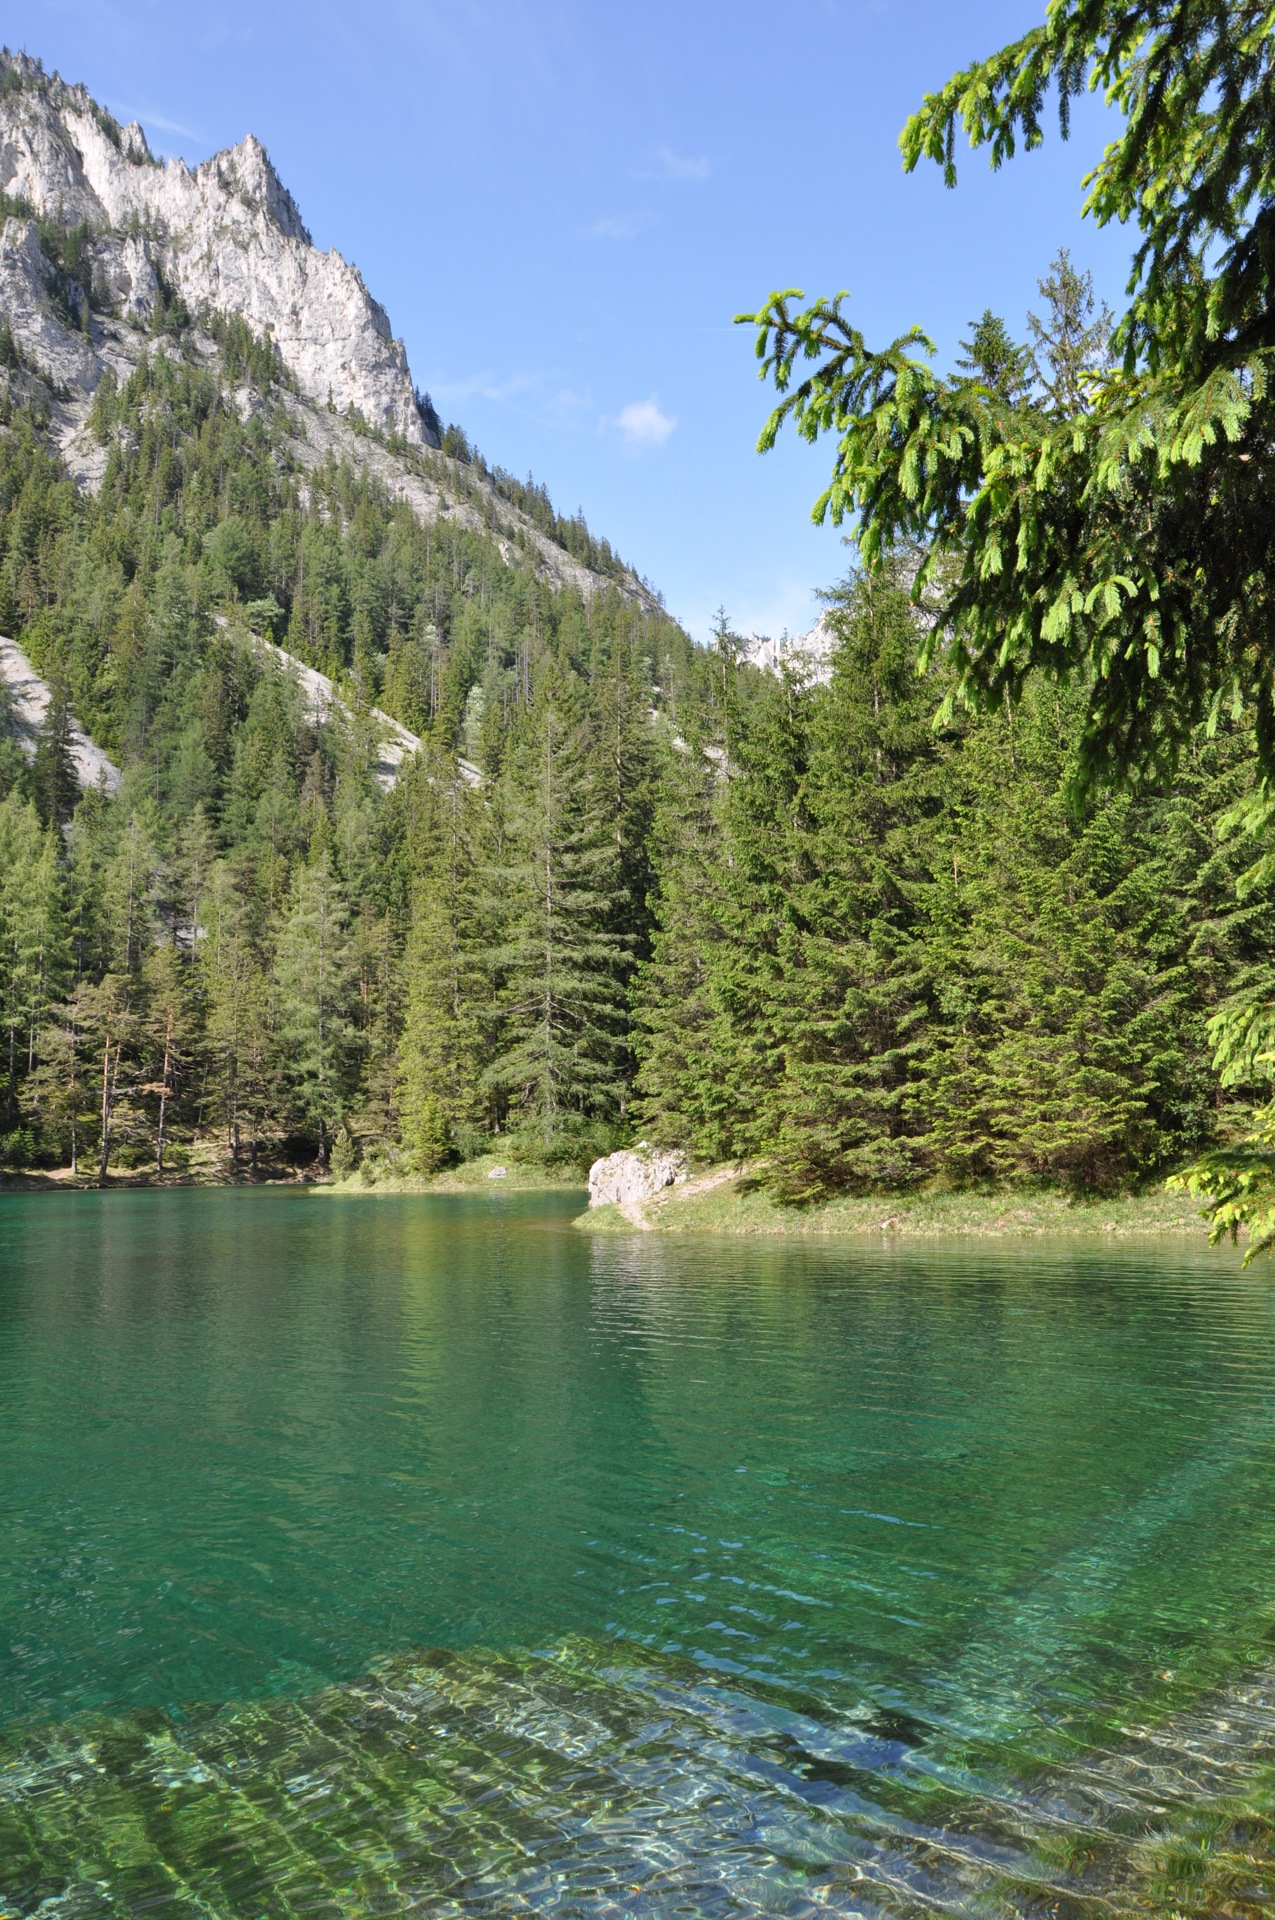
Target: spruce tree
{"points": [[440, 1052], [1072, 342], [55, 786], [557, 967], [166, 1030], [992, 358], [853, 985], [314, 977], [675, 1017], [33, 937]]}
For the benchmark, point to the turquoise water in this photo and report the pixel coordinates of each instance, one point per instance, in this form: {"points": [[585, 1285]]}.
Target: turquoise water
{"points": [[887, 1522]]}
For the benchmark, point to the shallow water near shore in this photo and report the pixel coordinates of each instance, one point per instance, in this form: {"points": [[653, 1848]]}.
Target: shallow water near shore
{"points": [[419, 1554]]}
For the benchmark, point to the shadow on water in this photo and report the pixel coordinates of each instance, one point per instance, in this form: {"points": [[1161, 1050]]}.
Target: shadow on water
{"points": [[787, 1579]]}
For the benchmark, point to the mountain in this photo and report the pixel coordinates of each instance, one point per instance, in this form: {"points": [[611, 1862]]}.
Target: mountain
{"points": [[808, 653], [106, 250]]}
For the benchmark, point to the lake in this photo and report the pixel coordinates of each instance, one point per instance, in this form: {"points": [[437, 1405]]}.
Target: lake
{"points": [[420, 1554]]}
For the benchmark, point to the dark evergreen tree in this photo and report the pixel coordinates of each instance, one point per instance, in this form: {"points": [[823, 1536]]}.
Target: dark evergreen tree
{"points": [[55, 785], [558, 967]]}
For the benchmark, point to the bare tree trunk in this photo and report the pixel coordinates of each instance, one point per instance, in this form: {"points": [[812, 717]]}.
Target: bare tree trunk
{"points": [[110, 1083], [75, 1138], [163, 1094]]}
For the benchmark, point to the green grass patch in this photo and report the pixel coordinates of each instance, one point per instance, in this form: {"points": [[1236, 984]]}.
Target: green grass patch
{"points": [[736, 1205], [471, 1176]]}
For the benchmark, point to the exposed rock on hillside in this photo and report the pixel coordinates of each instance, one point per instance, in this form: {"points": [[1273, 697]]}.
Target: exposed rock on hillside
{"points": [[228, 239], [396, 743], [227, 236], [28, 702]]}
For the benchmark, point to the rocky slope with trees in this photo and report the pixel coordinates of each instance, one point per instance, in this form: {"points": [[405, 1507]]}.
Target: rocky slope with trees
{"points": [[625, 886]]}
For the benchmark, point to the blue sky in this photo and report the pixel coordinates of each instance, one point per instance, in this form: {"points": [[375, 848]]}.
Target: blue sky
{"points": [[562, 204]]}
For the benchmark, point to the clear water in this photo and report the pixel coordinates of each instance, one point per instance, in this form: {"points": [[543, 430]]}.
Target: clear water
{"points": [[423, 1555]]}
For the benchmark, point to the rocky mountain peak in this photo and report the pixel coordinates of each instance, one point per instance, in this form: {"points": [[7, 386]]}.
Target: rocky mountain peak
{"points": [[227, 236]]}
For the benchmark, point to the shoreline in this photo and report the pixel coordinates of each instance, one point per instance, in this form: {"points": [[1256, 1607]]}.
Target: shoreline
{"points": [[723, 1201], [472, 1176]]}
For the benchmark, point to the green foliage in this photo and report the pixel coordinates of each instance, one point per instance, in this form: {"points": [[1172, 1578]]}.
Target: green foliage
{"points": [[441, 1051], [757, 916], [314, 977], [991, 357], [884, 956], [1072, 343], [559, 964], [1121, 531]]}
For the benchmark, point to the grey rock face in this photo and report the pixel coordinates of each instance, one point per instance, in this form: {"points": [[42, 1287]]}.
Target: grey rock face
{"points": [[228, 236], [66, 357], [628, 1178], [27, 698]]}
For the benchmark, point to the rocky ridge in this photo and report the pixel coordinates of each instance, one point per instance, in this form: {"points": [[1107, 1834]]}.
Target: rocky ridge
{"points": [[228, 238], [810, 654]]}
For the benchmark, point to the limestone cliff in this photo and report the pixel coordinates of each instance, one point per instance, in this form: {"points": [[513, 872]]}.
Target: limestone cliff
{"points": [[227, 236]]}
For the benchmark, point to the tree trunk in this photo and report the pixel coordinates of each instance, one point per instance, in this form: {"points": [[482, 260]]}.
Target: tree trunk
{"points": [[110, 1082], [163, 1094], [75, 1138]]}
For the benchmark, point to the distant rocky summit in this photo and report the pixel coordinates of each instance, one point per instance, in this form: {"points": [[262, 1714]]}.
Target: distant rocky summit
{"points": [[809, 654], [227, 237], [108, 254]]}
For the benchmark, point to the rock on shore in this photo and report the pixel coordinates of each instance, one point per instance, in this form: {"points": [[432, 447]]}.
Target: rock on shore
{"points": [[635, 1174]]}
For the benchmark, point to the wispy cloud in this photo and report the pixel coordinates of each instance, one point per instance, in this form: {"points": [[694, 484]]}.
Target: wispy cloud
{"points": [[539, 396], [621, 226], [667, 164], [644, 424], [160, 123]]}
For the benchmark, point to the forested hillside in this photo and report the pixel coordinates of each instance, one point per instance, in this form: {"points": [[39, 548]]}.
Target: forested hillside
{"points": [[628, 886], [752, 915]]}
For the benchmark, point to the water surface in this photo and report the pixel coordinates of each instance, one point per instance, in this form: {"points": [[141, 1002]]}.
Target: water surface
{"points": [[743, 1570]]}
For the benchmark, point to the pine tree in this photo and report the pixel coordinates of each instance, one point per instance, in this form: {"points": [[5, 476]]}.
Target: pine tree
{"points": [[853, 988], [110, 1027], [314, 974], [992, 358], [60, 1086], [33, 939], [55, 786], [675, 1018], [166, 1035], [440, 1052], [1061, 1036], [558, 968], [1072, 342]]}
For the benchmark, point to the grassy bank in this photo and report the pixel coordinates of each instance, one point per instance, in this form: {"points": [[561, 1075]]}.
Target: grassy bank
{"points": [[489, 1173], [209, 1167], [723, 1202]]}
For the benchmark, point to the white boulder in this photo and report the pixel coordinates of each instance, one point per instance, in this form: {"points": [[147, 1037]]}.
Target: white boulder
{"points": [[635, 1174]]}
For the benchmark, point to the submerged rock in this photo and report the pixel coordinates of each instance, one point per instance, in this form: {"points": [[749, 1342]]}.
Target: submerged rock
{"points": [[635, 1174]]}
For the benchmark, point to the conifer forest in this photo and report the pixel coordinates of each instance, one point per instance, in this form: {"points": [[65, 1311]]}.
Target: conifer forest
{"points": [[629, 886], [863, 925]]}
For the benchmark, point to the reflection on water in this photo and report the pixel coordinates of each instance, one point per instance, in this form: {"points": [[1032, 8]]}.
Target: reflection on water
{"points": [[762, 1577]]}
